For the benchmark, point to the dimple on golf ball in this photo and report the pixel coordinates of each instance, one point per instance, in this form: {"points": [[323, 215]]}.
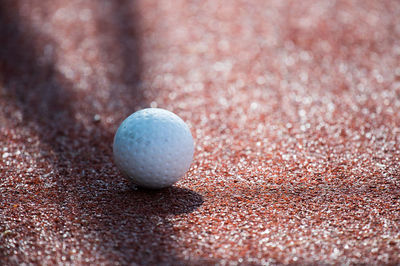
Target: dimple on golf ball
{"points": [[153, 147]]}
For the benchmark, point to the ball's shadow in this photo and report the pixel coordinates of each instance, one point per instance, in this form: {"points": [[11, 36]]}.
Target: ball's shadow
{"points": [[161, 202], [138, 223]]}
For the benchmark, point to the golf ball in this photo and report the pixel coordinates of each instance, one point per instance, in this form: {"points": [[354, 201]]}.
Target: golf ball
{"points": [[153, 147]]}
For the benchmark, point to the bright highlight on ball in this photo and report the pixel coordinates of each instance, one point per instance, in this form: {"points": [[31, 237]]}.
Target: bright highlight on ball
{"points": [[153, 147]]}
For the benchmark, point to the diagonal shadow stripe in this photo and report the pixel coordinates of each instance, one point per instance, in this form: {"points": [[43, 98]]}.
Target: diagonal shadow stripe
{"points": [[91, 197]]}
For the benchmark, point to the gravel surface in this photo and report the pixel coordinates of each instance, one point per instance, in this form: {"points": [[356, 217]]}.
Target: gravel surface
{"points": [[294, 106]]}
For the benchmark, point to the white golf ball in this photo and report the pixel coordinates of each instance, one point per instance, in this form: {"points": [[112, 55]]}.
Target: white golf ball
{"points": [[153, 148]]}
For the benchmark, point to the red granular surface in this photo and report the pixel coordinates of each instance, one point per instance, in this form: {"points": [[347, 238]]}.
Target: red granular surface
{"points": [[294, 105]]}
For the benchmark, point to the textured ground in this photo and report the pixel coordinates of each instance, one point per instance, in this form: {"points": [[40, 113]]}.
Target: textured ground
{"points": [[294, 105]]}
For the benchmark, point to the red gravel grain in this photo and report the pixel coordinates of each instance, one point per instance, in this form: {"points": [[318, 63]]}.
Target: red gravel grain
{"points": [[294, 105]]}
